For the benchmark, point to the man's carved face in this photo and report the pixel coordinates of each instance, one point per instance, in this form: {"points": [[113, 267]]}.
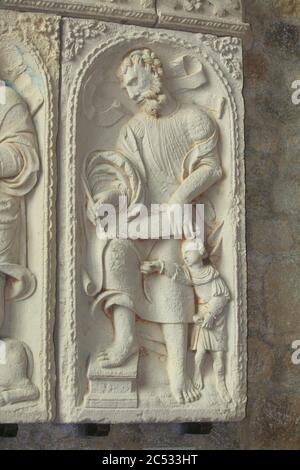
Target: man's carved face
{"points": [[138, 82], [140, 74]]}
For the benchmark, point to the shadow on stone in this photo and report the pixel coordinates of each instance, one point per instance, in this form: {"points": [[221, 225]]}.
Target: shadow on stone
{"points": [[196, 428], [95, 430], [8, 430]]}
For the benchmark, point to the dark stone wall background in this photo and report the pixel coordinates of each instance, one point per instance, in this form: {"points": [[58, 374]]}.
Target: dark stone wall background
{"points": [[272, 63]]}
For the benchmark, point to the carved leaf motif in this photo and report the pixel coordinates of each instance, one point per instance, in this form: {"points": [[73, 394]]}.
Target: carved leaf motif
{"points": [[41, 31], [222, 7], [77, 33], [227, 48], [193, 5], [219, 7]]}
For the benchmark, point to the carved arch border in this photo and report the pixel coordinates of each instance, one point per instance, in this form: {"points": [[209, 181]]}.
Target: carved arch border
{"points": [[237, 212], [48, 164]]}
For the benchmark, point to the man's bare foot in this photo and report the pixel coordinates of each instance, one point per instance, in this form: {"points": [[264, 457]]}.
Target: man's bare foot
{"points": [[185, 392], [223, 392], [198, 381], [115, 356]]}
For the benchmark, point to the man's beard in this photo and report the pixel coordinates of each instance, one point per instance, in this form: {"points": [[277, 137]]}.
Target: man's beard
{"points": [[152, 100]]}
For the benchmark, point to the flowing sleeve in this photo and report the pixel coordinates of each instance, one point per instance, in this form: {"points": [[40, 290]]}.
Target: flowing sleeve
{"points": [[18, 141], [201, 166], [204, 135]]}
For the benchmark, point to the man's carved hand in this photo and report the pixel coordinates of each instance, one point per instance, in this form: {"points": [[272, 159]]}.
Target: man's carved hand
{"points": [[151, 267]]}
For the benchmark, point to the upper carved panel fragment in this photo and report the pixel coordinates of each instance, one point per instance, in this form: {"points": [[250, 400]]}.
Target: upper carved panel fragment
{"points": [[212, 16], [121, 11]]}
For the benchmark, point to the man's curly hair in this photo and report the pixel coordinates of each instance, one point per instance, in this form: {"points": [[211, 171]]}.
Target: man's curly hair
{"points": [[144, 57]]}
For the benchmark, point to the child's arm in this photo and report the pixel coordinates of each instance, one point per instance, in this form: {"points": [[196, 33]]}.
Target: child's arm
{"points": [[215, 309], [174, 271]]}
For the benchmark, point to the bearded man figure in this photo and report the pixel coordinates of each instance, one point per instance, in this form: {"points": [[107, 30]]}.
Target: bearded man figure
{"points": [[174, 150]]}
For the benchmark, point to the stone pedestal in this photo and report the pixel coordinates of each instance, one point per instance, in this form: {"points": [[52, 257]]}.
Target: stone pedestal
{"points": [[112, 388]]}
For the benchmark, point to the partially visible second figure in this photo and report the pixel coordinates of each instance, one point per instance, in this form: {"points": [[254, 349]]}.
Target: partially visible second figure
{"points": [[19, 166]]}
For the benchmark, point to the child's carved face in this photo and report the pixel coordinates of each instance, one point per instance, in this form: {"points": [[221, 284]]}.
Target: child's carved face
{"points": [[193, 252], [192, 257]]}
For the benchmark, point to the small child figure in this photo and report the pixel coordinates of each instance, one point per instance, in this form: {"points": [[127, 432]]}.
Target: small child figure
{"points": [[209, 332]]}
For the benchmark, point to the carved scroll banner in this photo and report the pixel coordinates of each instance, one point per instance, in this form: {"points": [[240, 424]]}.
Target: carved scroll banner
{"points": [[29, 55], [151, 329]]}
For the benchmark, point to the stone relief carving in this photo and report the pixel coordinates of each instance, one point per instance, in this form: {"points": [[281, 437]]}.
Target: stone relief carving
{"points": [[76, 36], [215, 7], [26, 245], [209, 16], [175, 135], [152, 305], [191, 5], [212, 295], [19, 166], [228, 48], [140, 12], [147, 3]]}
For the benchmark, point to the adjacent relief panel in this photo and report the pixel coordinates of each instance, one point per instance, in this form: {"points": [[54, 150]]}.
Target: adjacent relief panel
{"points": [[123, 11], [29, 52], [151, 330]]}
